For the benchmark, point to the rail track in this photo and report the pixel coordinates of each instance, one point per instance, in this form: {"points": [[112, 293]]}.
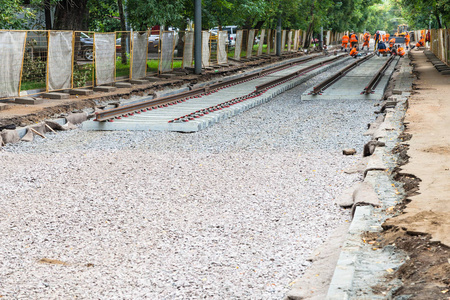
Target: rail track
{"points": [[148, 105], [196, 109]]}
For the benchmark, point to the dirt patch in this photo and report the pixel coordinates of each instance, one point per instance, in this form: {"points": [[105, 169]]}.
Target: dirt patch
{"points": [[410, 183], [402, 151], [438, 150], [426, 271]]}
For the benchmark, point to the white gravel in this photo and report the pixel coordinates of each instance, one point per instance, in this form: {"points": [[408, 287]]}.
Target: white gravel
{"points": [[231, 212]]}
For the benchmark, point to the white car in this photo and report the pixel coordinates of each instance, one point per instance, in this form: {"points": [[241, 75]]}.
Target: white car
{"points": [[231, 33]]}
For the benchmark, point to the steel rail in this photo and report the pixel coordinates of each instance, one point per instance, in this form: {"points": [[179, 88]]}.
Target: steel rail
{"points": [[376, 78], [274, 82], [328, 82], [129, 110]]}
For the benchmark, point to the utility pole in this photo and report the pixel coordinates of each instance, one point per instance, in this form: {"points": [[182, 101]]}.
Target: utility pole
{"points": [[279, 32], [198, 36], [321, 39]]}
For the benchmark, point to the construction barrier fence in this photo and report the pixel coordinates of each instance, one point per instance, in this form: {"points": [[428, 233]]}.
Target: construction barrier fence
{"points": [[440, 44], [37, 61]]}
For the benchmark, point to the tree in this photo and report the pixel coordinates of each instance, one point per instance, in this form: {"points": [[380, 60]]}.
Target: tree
{"points": [[71, 15], [143, 14], [9, 14]]}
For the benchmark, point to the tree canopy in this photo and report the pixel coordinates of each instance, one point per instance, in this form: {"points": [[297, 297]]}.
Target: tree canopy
{"points": [[336, 15]]}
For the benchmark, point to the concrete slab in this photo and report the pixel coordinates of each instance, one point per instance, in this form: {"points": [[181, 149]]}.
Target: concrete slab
{"points": [[104, 89], [153, 79], [55, 95], [139, 81], [4, 106], [121, 85], [29, 100], [352, 85], [167, 76], [81, 92]]}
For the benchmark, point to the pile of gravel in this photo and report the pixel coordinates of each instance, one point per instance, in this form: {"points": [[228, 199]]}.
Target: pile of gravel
{"points": [[231, 212]]}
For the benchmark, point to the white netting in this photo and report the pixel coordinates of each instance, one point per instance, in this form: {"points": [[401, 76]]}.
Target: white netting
{"points": [[296, 35], [205, 49], [60, 51], [274, 39], [105, 60], [188, 51], [238, 46], [261, 42], [222, 40], [283, 40], [167, 47], [139, 63], [289, 41], [303, 38], [11, 56], [269, 42], [251, 40]]}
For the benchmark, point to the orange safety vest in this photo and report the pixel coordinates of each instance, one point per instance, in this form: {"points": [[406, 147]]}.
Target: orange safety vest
{"points": [[407, 38], [353, 38], [367, 37], [353, 52], [392, 42], [401, 51], [387, 36], [345, 39]]}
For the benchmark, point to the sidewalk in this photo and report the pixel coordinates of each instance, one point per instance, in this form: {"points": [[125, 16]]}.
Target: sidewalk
{"points": [[428, 121]]}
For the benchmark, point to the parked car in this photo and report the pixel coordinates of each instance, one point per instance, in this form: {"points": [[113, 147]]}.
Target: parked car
{"points": [[87, 46], [231, 33], [37, 45]]}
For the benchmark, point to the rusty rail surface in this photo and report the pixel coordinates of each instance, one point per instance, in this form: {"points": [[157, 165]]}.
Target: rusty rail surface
{"points": [[182, 97], [274, 82], [328, 82], [376, 78]]}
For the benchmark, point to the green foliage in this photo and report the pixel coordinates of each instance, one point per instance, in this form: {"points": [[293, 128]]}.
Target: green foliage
{"points": [[13, 15], [385, 16], [104, 16], [122, 69], [34, 72], [82, 74], [419, 13], [143, 14]]}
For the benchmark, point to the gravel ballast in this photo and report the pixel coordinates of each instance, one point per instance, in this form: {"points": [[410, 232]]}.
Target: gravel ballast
{"points": [[231, 212]]}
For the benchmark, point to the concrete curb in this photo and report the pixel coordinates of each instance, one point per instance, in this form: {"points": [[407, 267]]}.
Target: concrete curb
{"points": [[361, 266]]}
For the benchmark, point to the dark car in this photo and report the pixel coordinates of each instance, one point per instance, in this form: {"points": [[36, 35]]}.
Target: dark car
{"points": [[87, 46]]}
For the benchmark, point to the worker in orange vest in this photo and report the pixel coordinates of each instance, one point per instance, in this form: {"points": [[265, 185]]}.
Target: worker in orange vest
{"points": [[407, 39], [387, 37], [353, 39], [354, 52], [392, 42], [377, 39], [382, 49], [421, 42], [366, 40], [383, 38], [401, 51], [344, 42]]}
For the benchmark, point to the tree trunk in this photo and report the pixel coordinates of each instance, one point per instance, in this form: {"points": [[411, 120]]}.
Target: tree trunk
{"points": [[123, 41], [308, 34], [180, 46], [71, 15], [48, 16], [259, 25], [310, 29]]}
